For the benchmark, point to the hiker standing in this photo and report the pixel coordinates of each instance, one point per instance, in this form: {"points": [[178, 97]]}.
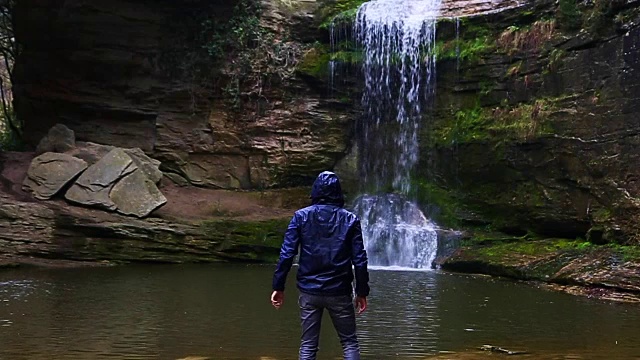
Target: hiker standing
{"points": [[329, 239]]}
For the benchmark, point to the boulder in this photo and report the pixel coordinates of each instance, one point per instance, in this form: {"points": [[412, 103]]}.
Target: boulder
{"points": [[90, 152], [50, 172], [94, 185], [150, 167], [137, 195], [177, 179], [59, 139]]}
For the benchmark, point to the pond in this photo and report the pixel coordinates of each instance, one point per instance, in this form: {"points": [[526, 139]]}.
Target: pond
{"points": [[223, 312]]}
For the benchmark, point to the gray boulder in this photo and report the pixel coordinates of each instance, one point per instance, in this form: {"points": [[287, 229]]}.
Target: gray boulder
{"points": [[59, 139], [50, 172], [136, 195], [150, 167], [94, 185], [90, 152], [177, 179]]}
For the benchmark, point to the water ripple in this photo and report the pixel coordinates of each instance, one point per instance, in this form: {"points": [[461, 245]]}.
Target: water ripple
{"points": [[223, 312]]}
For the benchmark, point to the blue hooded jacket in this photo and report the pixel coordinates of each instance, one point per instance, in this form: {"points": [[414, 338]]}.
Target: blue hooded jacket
{"points": [[329, 239]]}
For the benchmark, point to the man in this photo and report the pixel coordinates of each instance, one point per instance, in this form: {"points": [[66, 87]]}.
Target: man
{"points": [[330, 242]]}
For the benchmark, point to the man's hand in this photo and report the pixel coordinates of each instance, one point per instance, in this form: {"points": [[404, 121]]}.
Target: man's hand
{"points": [[277, 298], [361, 304]]}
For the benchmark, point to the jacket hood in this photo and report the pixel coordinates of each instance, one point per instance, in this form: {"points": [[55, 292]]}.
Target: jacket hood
{"points": [[327, 190]]}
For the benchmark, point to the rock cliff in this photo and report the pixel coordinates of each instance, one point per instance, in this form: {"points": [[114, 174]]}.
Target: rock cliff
{"points": [[535, 127], [534, 130], [156, 75]]}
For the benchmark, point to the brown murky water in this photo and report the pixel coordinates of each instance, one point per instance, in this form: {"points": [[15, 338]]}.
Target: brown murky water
{"points": [[223, 312]]}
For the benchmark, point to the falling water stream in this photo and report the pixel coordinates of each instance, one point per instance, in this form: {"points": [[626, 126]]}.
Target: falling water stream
{"points": [[397, 40]]}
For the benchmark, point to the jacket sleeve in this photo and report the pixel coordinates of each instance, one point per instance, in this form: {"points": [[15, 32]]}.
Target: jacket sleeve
{"points": [[359, 260], [288, 251]]}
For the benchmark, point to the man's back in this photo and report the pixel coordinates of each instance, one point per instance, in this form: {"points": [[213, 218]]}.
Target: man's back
{"points": [[329, 238], [326, 248]]}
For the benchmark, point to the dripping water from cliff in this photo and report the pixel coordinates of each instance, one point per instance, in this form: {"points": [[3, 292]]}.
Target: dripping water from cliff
{"points": [[397, 40], [340, 39]]}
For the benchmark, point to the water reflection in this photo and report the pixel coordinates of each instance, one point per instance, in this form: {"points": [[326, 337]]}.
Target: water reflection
{"points": [[170, 312], [409, 324]]}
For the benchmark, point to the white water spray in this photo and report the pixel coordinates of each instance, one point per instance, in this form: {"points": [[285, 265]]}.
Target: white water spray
{"points": [[396, 232]]}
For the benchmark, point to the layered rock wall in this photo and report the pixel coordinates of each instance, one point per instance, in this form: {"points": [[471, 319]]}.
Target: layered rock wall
{"points": [[139, 74], [534, 128], [536, 123]]}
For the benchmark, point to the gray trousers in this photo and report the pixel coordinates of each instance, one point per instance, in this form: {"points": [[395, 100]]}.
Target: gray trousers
{"points": [[343, 316]]}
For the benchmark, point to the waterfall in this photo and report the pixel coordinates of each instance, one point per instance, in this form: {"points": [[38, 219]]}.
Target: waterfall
{"points": [[397, 39], [396, 232]]}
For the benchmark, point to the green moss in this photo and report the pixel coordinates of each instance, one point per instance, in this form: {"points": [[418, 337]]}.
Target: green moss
{"points": [[475, 40], [315, 62], [626, 253], [568, 14], [528, 259], [339, 11], [349, 57], [598, 19], [505, 251], [536, 248], [467, 50], [475, 27], [551, 260], [247, 240], [488, 237], [526, 194], [602, 215], [236, 34], [595, 16], [458, 207], [447, 205], [480, 124]]}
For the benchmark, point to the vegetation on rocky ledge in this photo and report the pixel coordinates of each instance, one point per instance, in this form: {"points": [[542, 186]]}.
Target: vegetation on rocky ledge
{"points": [[508, 142], [252, 55], [559, 261], [241, 240], [501, 123], [338, 12]]}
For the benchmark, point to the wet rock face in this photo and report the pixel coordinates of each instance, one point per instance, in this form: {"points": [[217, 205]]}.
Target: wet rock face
{"points": [[130, 75], [540, 137]]}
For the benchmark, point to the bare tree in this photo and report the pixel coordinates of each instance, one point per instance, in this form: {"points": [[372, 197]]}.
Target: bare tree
{"points": [[8, 52]]}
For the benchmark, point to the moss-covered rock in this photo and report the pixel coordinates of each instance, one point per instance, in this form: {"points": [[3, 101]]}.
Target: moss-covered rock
{"points": [[501, 123], [531, 130], [315, 63], [557, 261], [338, 11], [256, 241]]}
